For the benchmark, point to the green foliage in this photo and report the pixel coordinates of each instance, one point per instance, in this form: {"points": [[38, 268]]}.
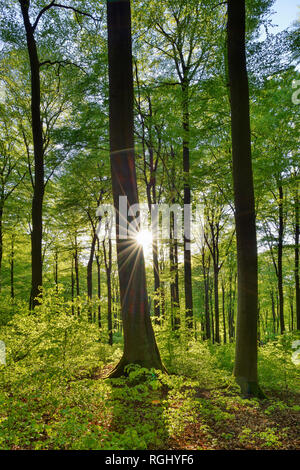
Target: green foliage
{"points": [[275, 365], [53, 396]]}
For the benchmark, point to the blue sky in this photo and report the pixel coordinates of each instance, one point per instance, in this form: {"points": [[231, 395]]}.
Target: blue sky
{"points": [[287, 11]]}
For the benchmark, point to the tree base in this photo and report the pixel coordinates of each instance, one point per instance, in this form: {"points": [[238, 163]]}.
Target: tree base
{"points": [[250, 389], [119, 370]]}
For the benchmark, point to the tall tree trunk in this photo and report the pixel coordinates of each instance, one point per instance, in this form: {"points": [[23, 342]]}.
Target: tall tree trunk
{"points": [[279, 260], [245, 369], [187, 206], [139, 341], [297, 259], [38, 150]]}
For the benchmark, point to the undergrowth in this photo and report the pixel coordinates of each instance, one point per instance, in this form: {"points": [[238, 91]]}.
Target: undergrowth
{"points": [[54, 394]]}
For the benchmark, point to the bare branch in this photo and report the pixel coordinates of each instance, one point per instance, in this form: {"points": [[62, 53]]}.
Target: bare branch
{"points": [[79, 12], [58, 5], [47, 7]]}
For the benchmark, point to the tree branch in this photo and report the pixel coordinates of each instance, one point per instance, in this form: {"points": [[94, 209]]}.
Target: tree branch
{"points": [[66, 7]]}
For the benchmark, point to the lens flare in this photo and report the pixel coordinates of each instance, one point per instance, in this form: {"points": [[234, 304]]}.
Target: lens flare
{"points": [[144, 239]]}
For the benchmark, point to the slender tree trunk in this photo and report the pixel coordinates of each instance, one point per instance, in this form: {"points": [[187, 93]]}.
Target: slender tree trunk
{"points": [[98, 283], [258, 325], [212, 314], [223, 312], [207, 316], [277, 314], [187, 205], [76, 268], [279, 261], [230, 315], [156, 277], [273, 312], [1, 239], [109, 308], [89, 270], [246, 338], [139, 341], [108, 265], [162, 286], [152, 199], [234, 302], [297, 260], [205, 271], [56, 270], [216, 301], [174, 288], [38, 150], [292, 314], [89, 273], [231, 309], [72, 284], [12, 266]]}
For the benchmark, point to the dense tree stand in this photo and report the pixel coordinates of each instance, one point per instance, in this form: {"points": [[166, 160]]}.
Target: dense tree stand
{"points": [[139, 341]]}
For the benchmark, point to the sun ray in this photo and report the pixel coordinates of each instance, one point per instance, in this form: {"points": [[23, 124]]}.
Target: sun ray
{"points": [[145, 240]]}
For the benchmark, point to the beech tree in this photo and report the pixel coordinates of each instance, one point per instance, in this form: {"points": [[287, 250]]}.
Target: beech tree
{"points": [[139, 341], [246, 331], [38, 145]]}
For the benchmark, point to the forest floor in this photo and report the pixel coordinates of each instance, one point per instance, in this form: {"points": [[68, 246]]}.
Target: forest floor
{"points": [[52, 397], [265, 425], [220, 419], [150, 412]]}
